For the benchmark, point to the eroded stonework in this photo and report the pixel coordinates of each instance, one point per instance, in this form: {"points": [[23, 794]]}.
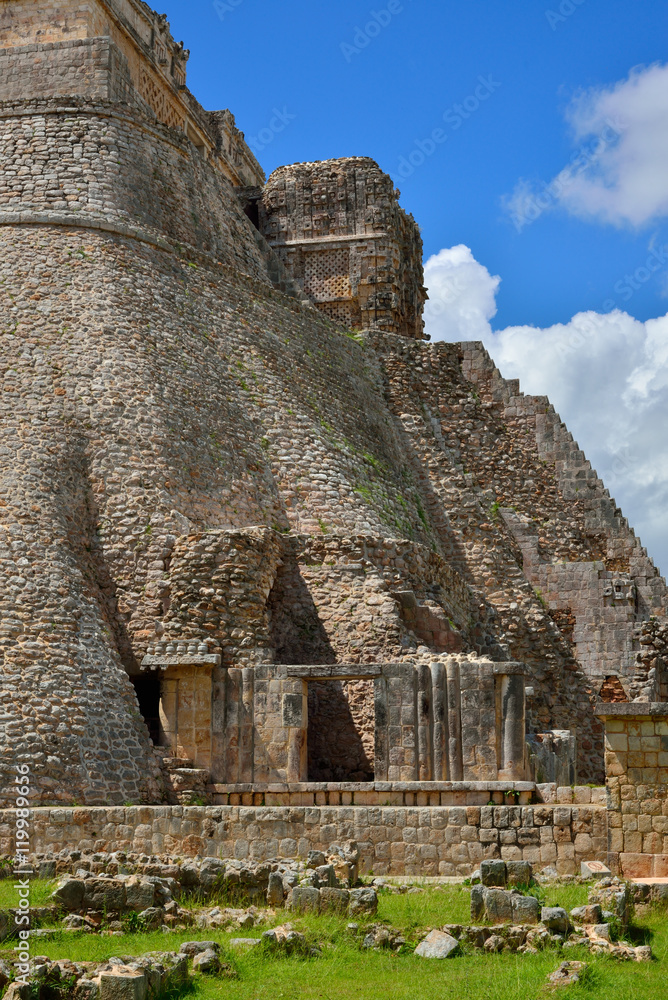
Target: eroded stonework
{"points": [[338, 229], [209, 477]]}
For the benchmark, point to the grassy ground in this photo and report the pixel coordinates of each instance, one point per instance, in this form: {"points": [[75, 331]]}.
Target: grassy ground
{"points": [[344, 972], [40, 893]]}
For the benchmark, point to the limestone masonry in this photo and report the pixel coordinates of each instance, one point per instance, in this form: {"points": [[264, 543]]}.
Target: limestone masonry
{"points": [[274, 570]]}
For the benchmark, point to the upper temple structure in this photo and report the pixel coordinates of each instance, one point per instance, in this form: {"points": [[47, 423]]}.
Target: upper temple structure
{"points": [[260, 543]]}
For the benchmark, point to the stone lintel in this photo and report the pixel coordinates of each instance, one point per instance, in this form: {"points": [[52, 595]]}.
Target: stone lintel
{"points": [[336, 671], [314, 242], [615, 710], [510, 669], [181, 660]]}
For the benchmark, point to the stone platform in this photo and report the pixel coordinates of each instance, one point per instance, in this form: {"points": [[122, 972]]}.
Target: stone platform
{"points": [[424, 840]]}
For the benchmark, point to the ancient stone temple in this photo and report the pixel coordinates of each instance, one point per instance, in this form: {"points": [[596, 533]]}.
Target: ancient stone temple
{"points": [[339, 231], [262, 548]]}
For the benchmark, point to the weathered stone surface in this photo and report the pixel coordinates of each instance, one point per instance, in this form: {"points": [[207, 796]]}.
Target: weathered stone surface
{"points": [[305, 899], [493, 873], [334, 900], [139, 894], [122, 984], [275, 890], [518, 873], [69, 893], [207, 962], [568, 974], [191, 948], [498, 905], [17, 991], [437, 944], [477, 904], [362, 901], [494, 943], [590, 914], [555, 919], [525, 909]]}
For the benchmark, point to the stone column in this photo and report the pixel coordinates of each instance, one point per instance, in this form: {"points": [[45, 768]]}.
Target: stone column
{"points": [[169, 721], [511, 721], [439, 722], [246, 727], [455, 763], [423, 713], [381, 734], [295, 720]]}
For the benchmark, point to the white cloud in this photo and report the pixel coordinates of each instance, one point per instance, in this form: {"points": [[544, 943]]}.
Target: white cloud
{"points": [[463, 295], [618, 171], [607, 376]]}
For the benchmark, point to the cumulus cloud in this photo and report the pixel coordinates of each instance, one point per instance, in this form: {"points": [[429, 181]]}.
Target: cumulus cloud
{"points": [[462, 298], [617, 173], [607, 376]]}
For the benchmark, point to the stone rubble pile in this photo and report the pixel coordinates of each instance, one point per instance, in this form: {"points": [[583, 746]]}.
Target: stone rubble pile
{"points": [[104, 890], [499, 901], [125, 978]]}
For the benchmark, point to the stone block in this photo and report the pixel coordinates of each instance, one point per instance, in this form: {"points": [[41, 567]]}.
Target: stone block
{"points": [[590, 914], [206, 962], [525, 909], [518, 873], [437, 944], [555, 919], [275, 890], [477, 904], [69, 893], [362, 901], [139, 894], [594, 869], [104, 894], [493, 873], [498, 906], [334, 900], [123, 984], [305, 899]]}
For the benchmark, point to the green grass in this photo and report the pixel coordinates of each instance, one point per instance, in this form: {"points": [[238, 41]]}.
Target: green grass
{"points": [[344, 971], [40, 893]]}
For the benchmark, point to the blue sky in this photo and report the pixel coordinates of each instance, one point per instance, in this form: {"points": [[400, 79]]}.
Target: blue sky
{"points": [[255, 55], [542, 195]]}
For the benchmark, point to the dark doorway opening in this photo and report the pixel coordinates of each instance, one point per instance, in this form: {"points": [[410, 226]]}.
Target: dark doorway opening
{"points": [[252, 210], [147, 689], [341, 729]]}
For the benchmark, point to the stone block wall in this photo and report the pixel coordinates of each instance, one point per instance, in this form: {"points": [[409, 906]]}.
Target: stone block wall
{"points": [[86, 163], [396, 840], [585, 560], [93, 68], [636, 754], [118, 50]]}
